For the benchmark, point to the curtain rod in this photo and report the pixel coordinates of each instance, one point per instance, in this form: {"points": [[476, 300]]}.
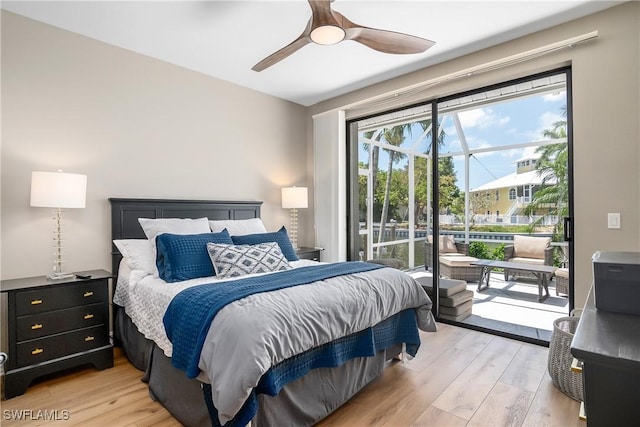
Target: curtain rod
{"points": [[478, 69]]}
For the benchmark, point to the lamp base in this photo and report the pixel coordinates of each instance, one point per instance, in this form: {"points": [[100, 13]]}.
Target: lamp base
{"points": [[59, 276]]}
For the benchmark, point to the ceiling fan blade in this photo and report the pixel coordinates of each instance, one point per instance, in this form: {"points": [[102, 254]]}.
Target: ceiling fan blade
{"points": [[321, 13], [279, 55], [384, 40]]}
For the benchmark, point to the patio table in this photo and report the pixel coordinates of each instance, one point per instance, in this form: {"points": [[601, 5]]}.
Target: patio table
{"points": [[542, 272]]}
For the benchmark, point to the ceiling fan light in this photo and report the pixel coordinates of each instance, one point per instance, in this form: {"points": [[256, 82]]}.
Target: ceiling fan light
{"points": [[327, 34]]}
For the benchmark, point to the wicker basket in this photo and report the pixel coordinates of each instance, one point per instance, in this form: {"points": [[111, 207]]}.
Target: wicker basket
{"points": [[559, 363]]}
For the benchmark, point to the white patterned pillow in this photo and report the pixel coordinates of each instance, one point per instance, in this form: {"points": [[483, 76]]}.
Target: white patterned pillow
{"points": [[239, 260]]}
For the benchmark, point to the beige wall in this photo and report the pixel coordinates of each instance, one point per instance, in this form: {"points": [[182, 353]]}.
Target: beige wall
{"points": [[137, 127], [606, 99]]}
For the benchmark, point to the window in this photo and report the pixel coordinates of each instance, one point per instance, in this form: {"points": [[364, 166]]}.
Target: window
{"points": [[478, 138]]}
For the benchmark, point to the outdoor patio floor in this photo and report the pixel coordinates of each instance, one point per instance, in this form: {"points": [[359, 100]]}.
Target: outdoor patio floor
{"points": [[513, 307]]}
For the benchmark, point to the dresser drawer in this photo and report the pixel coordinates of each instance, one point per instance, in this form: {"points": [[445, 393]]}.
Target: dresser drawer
{"points": [[53, 322], [52, 347], [60, 296]]}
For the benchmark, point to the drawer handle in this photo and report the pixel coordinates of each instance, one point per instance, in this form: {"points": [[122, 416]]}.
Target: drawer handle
{"points": [[37, 351], [36, 301], [89, 338], [36, 326], [88, 294], [88, 316], [576, 366]]}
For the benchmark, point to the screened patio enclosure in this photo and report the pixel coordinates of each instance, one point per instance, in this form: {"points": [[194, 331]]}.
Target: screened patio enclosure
{"points": [[489, 146], [395, 161]]}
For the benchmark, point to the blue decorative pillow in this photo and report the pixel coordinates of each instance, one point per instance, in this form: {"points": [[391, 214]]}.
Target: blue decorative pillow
{"points": [[240, 260], [184, 256], [280, 237]]}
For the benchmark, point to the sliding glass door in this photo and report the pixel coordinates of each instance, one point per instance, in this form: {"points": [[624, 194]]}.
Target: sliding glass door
{"points": [[390, 209], [502, 180]]}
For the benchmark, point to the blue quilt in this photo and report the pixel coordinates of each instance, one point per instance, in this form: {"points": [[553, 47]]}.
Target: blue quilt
{"points": [[400, 328], [190, 313]]}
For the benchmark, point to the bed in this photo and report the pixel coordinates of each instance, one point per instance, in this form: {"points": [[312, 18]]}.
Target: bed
{"points": [[306, 373]]}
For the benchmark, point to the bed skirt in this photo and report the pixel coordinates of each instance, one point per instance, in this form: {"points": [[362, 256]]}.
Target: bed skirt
{"points": [[300, 403]]}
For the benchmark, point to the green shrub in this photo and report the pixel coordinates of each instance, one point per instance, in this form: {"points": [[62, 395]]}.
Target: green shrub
{"points": [[479, 250], [498, 252]]}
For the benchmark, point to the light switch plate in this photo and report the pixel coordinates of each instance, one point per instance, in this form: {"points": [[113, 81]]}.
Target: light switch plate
{"points": [[613, 220]]}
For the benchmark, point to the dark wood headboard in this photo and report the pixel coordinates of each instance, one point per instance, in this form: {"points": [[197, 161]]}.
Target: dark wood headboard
{"points": [[125, 214]]}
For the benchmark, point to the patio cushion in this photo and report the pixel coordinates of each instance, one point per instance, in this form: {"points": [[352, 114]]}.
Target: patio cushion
{"points": [[456, 299], [446, 244], [454, 311], [562, 272], [457, 261], [534, 261], [460, 317], [530, 246], [448, 287]]}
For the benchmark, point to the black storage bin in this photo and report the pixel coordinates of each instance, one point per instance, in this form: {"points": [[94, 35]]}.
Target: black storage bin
{"points": [[616, 277]]}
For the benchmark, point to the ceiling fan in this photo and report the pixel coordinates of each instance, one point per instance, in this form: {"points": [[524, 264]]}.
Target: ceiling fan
{"points": [[326, 26]]}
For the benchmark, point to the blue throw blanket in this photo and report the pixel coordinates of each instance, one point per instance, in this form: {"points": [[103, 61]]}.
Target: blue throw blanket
{"points": [[190, 313], [397, 329]]}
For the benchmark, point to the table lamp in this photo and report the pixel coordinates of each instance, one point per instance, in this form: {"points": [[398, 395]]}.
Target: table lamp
{"points": [[58, 190], [294, 198]]}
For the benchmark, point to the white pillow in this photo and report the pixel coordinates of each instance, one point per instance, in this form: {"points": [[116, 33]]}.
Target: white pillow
{"points": [[154, 226], [238, 227], [137, 253]]}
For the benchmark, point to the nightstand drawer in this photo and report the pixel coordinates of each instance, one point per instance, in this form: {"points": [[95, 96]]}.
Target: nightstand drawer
{"points": [[52, 347], [308, 253], [42, 324], [60, 296]]}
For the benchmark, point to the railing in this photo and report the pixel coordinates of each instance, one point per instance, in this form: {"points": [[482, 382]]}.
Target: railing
{"points": [[487, 236], [502, 219], [393, 232]]}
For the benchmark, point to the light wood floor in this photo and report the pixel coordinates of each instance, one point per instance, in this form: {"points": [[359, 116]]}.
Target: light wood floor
{"points": [[460, 377]]}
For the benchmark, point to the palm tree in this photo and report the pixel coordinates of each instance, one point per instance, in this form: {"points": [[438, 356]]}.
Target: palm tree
{"points": [[553, 166], [393, 136]]}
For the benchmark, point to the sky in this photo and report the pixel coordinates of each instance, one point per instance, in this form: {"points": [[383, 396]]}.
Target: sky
{"points": [[513, 122]]}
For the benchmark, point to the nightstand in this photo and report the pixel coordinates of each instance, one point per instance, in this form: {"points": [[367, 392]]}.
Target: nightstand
{"points": [[55, 325], [308, 253]]}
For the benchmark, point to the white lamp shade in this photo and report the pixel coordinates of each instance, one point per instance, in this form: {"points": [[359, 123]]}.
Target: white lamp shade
{"points": [[58, 190], [295, 197]]}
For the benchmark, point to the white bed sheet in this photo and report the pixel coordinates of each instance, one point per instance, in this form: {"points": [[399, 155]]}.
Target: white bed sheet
{"points": [[270, 327], [145, 299]]}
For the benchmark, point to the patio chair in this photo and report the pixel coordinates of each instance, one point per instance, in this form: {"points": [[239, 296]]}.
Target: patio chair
{"points": [[528, 250], [562, 281], [447, 246]]}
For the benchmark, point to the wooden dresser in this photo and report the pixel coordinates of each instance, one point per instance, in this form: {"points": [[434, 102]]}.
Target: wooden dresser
{"points": [[608, 344], [55, 325]]}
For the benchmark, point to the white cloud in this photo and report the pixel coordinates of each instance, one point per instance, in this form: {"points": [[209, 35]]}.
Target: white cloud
{"points": [[482, 118], [555, 97], [519, 153], [546, 121]]}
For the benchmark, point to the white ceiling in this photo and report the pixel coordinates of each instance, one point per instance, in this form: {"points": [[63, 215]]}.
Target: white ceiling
{"points": [[225, 39]]}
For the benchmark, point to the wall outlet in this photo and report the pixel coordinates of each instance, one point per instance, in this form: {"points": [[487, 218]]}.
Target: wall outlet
{"points": [[613, 220]]}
